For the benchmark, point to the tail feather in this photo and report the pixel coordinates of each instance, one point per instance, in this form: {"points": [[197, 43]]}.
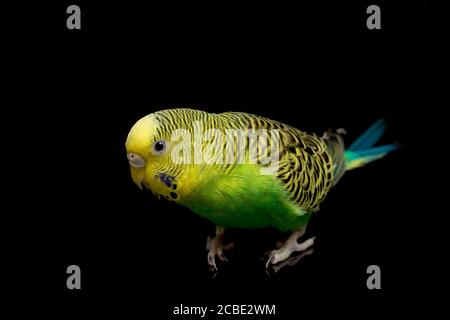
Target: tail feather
{"points": [[362, 151], [377, 150], [369, 138]]}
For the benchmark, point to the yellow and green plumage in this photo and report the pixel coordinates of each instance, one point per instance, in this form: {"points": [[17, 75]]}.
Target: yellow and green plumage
{"points": [[238, 195]]}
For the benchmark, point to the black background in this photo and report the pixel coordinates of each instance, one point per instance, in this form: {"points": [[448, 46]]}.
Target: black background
{"points": [[78, 92]]}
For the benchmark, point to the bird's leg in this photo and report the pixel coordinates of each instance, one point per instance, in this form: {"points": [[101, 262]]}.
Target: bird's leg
{"points": [[216, 247], [291, 245]]}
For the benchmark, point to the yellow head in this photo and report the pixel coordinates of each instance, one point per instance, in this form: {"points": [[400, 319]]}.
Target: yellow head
{"points": [[148, 152]]}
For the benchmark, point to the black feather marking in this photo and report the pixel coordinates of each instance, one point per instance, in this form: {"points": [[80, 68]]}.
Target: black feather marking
{"points": [[166, 179]]}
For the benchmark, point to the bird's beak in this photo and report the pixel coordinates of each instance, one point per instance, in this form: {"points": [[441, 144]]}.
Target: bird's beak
{"points": [[138, 175]]}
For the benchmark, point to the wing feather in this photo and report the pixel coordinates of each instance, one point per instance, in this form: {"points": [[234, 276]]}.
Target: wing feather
{"points": [[308, 164]]}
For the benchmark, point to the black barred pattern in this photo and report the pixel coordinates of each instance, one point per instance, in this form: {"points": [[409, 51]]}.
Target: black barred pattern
{"points": [[308, 165]]}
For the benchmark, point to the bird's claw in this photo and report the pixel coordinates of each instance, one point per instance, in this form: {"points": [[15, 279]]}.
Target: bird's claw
{"points": [[283, 253], [289, 262], [215, 248], [212, 261], [273, 258]]}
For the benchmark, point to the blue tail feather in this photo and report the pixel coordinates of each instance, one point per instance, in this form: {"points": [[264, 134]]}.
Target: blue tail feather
{"points": [[362, 151], [377, 150], [370, 137]]}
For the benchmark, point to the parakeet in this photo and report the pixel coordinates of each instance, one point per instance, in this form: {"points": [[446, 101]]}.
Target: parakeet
{"points": [[240, 170]]}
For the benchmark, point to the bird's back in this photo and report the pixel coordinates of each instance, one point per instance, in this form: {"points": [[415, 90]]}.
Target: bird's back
{"points": [[308, 165]]}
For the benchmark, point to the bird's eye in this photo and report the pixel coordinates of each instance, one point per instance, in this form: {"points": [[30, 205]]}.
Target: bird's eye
{"points": [[159, 147]]}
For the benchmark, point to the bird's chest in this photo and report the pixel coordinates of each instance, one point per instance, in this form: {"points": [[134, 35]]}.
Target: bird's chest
{"points": [[243, 198]]}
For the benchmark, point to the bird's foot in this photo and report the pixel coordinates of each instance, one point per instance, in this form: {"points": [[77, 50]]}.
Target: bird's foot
{"points": [[290, 246], [289, 262], [215, 248]]}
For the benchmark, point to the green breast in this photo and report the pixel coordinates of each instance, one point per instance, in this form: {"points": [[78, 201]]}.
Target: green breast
{"points": [[244, 198]]}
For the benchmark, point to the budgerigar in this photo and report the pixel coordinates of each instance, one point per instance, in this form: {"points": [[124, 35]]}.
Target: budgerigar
{"points": [[244, 171]]}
